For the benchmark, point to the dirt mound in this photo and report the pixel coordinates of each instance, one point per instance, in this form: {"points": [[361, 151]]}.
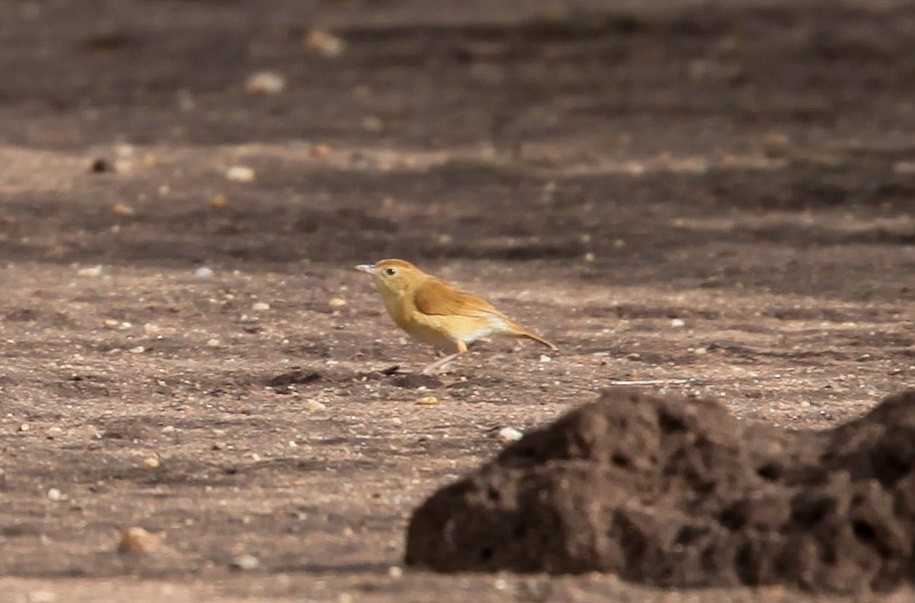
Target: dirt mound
{"points": [[677, 492]]}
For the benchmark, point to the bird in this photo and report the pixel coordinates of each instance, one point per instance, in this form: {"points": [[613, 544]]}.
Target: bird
{"points": [[437, 313]]}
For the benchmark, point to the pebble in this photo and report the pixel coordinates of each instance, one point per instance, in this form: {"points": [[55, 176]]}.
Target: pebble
{"points": [[213, 342], [151, 462], [240, 173], [91, 271], [315, 406], [246, 562], [265, 82], [320, 150], [677, 323], [122, 209], [323, 42], [204, 272], [138, 540], [260, 306], [427, 401], [55, 495], [24, 427], [545, 358], [101, 165], [337, 302], [395, 571], [137, 350], [508, 435]]}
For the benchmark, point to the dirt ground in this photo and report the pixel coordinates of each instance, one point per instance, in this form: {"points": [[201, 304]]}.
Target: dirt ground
{"points": [[716, 199]]}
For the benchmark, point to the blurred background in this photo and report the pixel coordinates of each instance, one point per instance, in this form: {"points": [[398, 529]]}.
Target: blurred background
{"points": [[672, 134]]}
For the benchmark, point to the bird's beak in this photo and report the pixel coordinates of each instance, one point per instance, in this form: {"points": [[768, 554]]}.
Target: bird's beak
{"points": [[367, 268]]}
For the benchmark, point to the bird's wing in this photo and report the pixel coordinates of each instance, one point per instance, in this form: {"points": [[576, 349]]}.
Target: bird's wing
{"points": [[437, 297]]}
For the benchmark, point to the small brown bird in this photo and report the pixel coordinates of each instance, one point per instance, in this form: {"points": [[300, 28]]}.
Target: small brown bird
{"points": [[438, 313]]}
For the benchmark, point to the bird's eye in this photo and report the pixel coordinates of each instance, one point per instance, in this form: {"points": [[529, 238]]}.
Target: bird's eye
{"points": [[390, 271]]}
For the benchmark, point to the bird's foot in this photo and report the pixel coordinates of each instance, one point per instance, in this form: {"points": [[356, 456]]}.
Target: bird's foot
{"points": [[434, 367]]}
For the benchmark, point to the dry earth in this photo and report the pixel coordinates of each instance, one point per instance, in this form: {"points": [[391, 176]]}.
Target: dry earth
{"points": [[714, 199]]}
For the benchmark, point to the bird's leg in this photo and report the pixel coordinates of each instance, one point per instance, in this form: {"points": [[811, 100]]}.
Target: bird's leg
{"points": [[431, 368]]}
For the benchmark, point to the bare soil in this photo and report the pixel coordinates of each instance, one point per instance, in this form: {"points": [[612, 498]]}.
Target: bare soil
{"points": [[716, 200]]}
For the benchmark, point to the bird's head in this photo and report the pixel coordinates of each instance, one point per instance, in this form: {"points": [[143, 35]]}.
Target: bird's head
{"points": [[393, 277]]}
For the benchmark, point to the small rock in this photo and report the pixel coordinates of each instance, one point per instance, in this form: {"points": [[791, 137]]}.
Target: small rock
{"points": [[137, 350], [395, 571], [219, 446], [677, 323], [315, 406], [204, 272], [427, 401], [122, 209], [151, 462], [589, 257], [138, 540], [55, 495], [320, 150], [91, 271], [508, 435], [186, 101], [246, 562], [265, 82], [337, 302], [240, 173], [213, 342], [294, 377], [775, 139], [218, 201], [545, 358], [633, 356], [904, 167], [101, 165], [260, 306], [371, 123], [24, 427], [324, 42]]}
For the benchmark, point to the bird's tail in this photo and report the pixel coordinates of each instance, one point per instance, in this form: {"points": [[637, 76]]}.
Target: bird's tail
{"points": [[520, 331]]}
